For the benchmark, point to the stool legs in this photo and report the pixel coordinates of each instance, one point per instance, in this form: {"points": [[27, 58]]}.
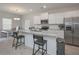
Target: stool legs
{"points": [[13, 42], [18, 41], [24, 41], [33, 49], [42, 47], [42, 50], [46, 47]]}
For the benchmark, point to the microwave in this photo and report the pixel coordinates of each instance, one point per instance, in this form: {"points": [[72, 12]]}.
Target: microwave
{"points": [[44, 21]]}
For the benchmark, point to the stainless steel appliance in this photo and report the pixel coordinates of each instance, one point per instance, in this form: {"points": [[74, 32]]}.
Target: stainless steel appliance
{"points": [[71, 33], [44, 28], [61, 26], [44, 21]]}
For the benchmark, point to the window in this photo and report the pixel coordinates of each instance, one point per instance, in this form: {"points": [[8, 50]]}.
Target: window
{"points": [[7, 23]]}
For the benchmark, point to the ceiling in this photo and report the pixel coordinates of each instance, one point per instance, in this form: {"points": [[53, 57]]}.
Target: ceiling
{"points": [[25, 8]]}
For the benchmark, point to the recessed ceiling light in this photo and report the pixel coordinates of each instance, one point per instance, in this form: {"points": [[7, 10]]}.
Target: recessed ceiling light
{"points": [[44, 6], [31, 10]]}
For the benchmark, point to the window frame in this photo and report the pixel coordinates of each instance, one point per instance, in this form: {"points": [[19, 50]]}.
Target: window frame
{"points": [[8, 24]]}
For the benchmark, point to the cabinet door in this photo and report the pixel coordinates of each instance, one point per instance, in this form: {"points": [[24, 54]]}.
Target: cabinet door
{"points": [[51, 45], [37, 20], [56, 19], [51, 19], [59, 19], [29, 40]]}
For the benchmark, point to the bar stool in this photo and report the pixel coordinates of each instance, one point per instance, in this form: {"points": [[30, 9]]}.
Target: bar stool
{"points": [[19, 39], [38, 40], [14, 35]]}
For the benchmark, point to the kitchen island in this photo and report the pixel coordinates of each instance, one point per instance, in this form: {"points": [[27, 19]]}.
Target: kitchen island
{"points": [[50, 36]]}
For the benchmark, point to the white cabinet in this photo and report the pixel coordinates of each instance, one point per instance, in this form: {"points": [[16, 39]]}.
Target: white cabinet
{"points": [[37, 20], [55, 19], [29, 40], [44, 16], [51, 19], [51, 45], [59, 19]]}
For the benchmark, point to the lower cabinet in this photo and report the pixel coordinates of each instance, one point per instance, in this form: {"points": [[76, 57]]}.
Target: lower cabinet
{"points": [[51, 45], [29, 40]]}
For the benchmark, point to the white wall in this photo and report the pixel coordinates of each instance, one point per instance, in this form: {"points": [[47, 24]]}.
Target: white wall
{"points": [[8, 15], [25, 17]]}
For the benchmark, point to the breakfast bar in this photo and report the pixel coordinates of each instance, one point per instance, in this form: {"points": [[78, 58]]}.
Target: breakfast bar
{"points": [[50, 36]]}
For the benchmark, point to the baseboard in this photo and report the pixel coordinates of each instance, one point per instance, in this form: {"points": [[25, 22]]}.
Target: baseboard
{"points": [[72, 44]]}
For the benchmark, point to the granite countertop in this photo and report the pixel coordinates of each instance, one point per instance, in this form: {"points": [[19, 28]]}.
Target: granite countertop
{"points": [[52, 33]]}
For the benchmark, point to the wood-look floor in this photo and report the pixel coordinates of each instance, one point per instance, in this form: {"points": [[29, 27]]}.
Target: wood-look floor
{"points": [[71, 50], [6, 49]]}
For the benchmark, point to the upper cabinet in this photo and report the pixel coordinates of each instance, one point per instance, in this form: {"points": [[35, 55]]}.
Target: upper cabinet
{"points": [[37, 20], [55, 19], [44, 16], [52, 18]]}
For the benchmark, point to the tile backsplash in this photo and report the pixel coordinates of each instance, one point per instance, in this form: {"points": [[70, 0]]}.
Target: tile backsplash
{"points": [[54, 27], [51, 27]]}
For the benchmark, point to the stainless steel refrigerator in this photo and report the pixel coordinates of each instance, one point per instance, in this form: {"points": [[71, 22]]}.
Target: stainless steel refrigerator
{"points": [[71, 33]]}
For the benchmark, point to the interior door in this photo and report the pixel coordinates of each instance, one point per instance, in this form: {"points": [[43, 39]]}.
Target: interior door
{"points": [[76, 30]]}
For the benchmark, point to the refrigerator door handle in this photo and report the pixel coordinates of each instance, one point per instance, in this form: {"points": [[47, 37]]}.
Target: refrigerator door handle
{"points": [[72, 28]]}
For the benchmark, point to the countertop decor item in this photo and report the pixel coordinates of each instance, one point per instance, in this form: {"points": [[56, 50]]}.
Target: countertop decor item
{"points": [[61, 26]]}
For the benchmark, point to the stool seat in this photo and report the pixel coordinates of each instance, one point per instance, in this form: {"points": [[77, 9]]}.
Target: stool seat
{"points": [[14, 34], [20, 36], [40, 42]]}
